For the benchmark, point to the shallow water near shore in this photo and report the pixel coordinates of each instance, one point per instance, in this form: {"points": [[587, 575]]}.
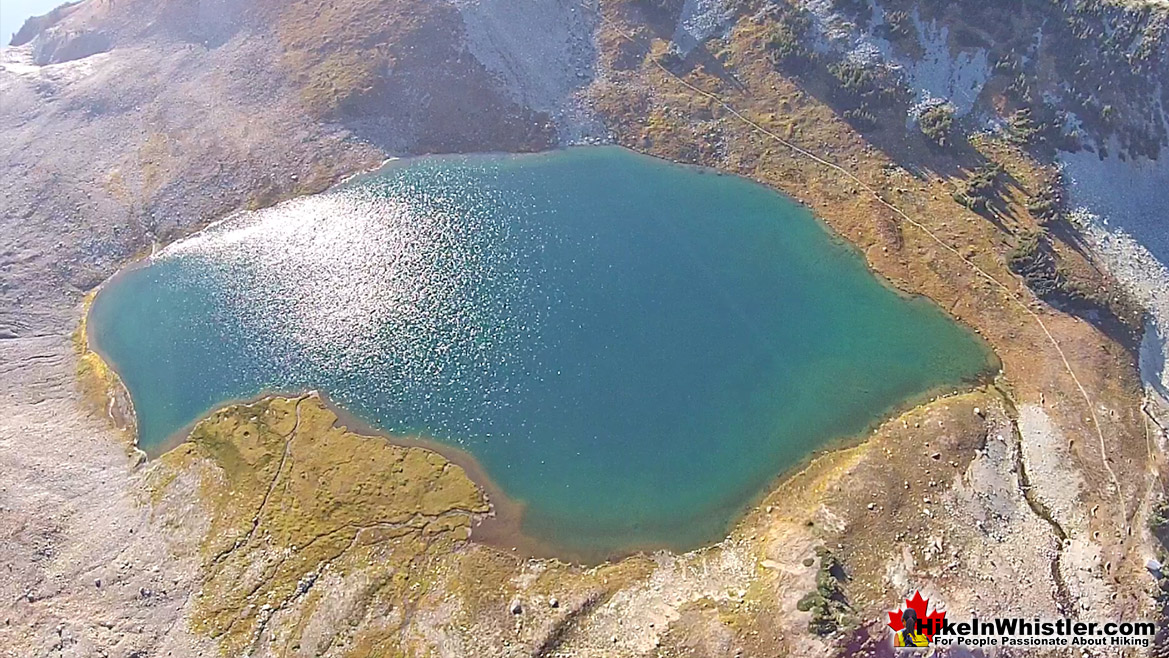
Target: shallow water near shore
{"points": [[632, 350]]}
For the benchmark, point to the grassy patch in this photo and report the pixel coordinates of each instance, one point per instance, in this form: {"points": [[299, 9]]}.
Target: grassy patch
{"points": [[293, 498]]}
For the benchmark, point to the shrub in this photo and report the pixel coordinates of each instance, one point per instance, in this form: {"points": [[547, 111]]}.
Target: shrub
{"points": [[1023, 129], [862, 83], [984, 179], [785, 49], [853, 77], [979, 189], [899, 24], [826, 603], [861, 117], [937, 124], [1025, 252], [1045, 205], [805, 604], [785, 44], [672, 58], [1033, 259]]}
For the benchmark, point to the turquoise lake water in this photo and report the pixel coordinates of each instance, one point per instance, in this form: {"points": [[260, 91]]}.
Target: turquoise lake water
{"points": [[633, 349]]}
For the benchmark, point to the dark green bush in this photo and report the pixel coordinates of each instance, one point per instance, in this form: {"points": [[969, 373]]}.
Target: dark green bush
{"points": [[785, 45], [978, 190], [853, 77], [899, 24], [827, 603], [937, 124], [807, 602], [861, 117], [1045, 205]]}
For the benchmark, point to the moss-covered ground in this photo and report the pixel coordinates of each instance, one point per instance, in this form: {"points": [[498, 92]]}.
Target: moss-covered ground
{"points": [[292, 499]]}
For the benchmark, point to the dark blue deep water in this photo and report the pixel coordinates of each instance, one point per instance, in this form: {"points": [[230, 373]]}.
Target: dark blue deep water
{"points": [[632, 349]]}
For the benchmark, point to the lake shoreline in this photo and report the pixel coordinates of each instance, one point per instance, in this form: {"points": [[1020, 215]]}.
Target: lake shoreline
{"points": [[505, 527], [502, 527]]}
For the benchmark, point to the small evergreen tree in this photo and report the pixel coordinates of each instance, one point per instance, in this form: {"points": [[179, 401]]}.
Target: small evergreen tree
{"points": [[937, 124]]}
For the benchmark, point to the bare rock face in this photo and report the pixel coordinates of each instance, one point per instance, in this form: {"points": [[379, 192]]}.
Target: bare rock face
{"points": [[544, 53], [56, 45], [37, 24]]}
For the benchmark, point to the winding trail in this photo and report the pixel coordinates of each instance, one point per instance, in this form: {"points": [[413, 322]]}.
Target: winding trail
{"points": [[1011, 294]]}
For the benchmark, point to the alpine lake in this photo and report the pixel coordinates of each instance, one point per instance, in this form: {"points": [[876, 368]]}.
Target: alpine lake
{"points": [[631, 350]]}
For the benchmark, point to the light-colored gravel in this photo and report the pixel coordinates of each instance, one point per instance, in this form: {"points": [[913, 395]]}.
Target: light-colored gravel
{"points": [[1122, 209]]}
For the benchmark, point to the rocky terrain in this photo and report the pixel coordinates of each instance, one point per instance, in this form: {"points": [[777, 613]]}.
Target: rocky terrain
{"points": [[952, 143]]}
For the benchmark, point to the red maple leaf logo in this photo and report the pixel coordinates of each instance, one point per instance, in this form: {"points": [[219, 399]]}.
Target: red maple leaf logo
{"points": [[930, 622]]}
